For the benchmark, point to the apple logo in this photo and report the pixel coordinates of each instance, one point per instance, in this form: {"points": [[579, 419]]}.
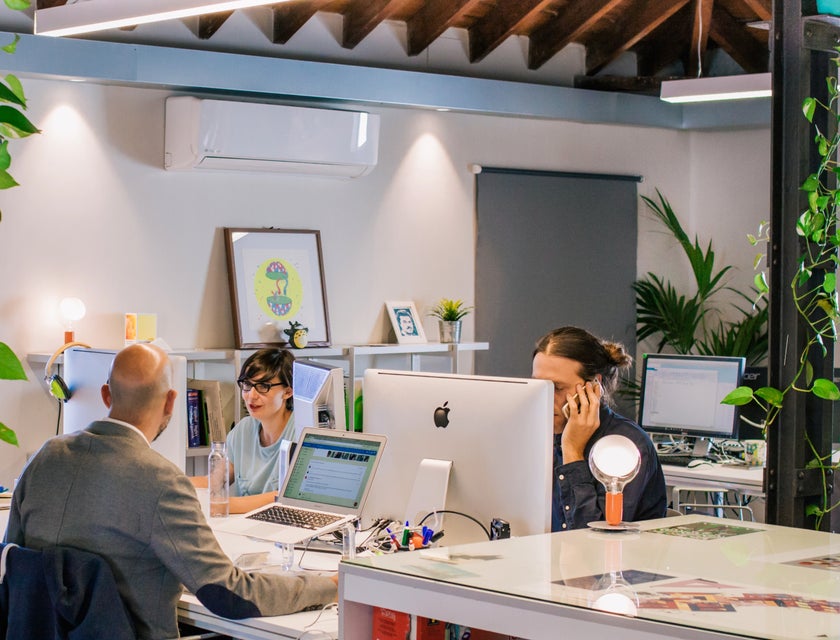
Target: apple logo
{"points": [[442, 416]]}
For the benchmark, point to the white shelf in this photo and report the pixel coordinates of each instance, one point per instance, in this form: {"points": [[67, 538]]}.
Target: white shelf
{"points": [[343, 353], [408, 349]]}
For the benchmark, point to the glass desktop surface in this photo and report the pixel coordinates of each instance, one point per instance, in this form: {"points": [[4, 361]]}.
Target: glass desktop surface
{"points": [[742, 578]]}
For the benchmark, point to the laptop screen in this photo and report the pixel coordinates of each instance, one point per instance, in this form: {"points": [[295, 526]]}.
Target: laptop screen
{"points": [[333, 468]]}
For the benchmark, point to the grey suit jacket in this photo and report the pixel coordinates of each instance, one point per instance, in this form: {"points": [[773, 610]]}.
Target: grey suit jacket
{"points": [[106, 491]]}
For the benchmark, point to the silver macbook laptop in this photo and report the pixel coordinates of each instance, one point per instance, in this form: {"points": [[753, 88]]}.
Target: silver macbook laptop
{"points": [[328, 481]]}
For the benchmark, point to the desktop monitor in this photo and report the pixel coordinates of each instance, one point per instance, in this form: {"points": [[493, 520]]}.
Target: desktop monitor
{"points": [[496, 432], [318, 396], [86, 370], [681, 394]]}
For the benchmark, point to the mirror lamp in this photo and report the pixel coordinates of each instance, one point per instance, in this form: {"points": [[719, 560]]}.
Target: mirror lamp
{"points": [[614, 461]]}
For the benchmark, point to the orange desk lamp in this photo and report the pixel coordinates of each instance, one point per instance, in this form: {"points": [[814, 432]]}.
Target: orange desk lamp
{"points": [[614, 460]]}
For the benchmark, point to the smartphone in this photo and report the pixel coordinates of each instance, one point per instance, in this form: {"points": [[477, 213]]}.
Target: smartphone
{"points": [[567, 410]]}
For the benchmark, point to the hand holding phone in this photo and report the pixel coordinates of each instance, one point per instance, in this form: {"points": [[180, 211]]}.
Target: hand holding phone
{"points": [[567, 410]]}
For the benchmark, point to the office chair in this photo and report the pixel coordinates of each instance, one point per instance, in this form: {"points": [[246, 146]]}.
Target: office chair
{"points": [[58, 592], [87, 603]]}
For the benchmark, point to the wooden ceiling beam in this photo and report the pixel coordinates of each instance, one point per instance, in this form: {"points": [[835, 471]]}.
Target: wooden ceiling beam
{"points": [[49, 4], [361, 18], [734, 38], [498, 25], [432, 19], [569, 25], [289, 17], [209, 23], [763, 9], [701, 23], [611, 43], [665, 46], [623, 84]]}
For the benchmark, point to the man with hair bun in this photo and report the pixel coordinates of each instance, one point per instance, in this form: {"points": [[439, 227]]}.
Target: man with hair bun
{"points": [[584, 371]]}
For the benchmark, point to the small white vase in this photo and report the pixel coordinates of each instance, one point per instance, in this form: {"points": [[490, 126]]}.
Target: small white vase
{"points": [[450, 330]]}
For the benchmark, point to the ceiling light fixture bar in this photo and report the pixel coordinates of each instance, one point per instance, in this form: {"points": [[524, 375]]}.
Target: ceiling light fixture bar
{"points": [[97, 15], [753, 85]]}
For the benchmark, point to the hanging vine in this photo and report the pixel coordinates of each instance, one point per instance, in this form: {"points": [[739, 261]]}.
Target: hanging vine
{"points": [[814, 286]]}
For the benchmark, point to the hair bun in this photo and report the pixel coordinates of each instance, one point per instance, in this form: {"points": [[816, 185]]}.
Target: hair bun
{"points": [[618, 356]]}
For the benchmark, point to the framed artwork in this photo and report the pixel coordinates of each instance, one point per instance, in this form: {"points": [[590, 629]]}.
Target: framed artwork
{"points": [[276, 279], [406, 322]]}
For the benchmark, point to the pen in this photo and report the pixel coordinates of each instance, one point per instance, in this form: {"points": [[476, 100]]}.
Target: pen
{"points": [[405, 535], [437, 536], [427, 535], [394, 542]]}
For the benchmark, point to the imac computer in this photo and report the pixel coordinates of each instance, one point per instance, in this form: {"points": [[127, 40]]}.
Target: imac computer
{"points": [[86, 370], [319, 396], [681, 394], [318, 392], [477, 445]]}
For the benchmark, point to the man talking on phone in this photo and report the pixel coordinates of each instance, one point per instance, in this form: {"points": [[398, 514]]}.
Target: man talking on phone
{"points": [[584, 371]]}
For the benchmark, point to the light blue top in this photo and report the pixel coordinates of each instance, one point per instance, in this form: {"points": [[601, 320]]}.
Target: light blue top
{"points": [[254, 465]]}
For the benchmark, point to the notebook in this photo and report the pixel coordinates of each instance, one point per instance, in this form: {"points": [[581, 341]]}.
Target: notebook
{"points": [[329, 477]]}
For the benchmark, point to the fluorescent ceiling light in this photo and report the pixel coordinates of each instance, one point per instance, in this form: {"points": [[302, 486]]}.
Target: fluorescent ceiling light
{"points": [[754, 85], [97, 15]]}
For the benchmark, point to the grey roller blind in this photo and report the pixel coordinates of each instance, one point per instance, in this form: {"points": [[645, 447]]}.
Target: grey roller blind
{"points": [[552, 249]]}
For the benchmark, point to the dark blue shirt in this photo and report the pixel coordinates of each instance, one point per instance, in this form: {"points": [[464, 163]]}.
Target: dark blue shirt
{"points": [[577, 497]]}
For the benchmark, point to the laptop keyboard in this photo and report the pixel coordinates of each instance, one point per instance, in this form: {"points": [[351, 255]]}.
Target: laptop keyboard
{"points": [[290, 516]]}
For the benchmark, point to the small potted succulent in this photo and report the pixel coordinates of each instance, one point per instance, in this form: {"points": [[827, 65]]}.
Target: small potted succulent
{"points": [[449, 313]]}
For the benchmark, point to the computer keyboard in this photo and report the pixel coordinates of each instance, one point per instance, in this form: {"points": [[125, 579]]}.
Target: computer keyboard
{"points": [[279, 514], [680, 460]]}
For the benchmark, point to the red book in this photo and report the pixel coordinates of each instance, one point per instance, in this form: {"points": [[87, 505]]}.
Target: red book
{"points": [[430, 629], [390, 625]]}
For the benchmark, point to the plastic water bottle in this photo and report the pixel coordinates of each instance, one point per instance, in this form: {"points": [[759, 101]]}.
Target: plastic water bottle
{"points": [[218, 481]]}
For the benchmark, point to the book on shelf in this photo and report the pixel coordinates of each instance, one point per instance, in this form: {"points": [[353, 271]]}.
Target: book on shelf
{"points": [[216, 429], [390, 625], [194, 426]]}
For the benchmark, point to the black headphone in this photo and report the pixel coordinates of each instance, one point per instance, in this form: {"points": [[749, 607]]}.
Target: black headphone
{"points": [[57, 387]]}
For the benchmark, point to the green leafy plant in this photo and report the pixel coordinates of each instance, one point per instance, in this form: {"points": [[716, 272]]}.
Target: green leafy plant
{"points": [[10, 369], [13, 124], [691, 323], [449, 310], [813, 288]]}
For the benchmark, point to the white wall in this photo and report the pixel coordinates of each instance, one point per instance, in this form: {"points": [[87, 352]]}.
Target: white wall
{"points": [[97, 217]]}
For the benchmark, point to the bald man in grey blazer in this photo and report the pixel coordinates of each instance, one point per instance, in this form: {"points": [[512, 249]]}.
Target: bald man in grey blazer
{"points": [[105, 490]]}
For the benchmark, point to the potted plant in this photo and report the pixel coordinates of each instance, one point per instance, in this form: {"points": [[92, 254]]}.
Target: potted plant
{"points": [[13, 124], [691, 323], [449, 313]]}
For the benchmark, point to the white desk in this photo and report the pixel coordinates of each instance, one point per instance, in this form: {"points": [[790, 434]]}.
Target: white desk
{"points": [[548, 586], [744, 480], [293, 626], [191, 611]]}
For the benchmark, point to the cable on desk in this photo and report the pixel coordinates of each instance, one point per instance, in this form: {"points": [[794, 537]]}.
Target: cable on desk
{"points": [[457, 513], [303, 553], [306, 630]]}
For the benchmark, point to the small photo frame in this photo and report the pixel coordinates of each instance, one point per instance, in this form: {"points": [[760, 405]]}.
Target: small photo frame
{"points": [[406, 322]]}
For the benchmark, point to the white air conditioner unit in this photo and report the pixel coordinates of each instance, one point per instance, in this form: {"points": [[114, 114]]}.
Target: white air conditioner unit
{"points": [[249, 136]]}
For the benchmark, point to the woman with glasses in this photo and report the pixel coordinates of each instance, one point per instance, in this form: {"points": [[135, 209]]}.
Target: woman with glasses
{"points": [[253, 445]]}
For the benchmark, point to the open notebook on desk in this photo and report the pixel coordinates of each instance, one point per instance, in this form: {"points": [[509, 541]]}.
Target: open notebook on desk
{"points": [[328, 482]]}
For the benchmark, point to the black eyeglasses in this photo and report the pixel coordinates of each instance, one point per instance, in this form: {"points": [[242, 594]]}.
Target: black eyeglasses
{"points": [[261, 387]]}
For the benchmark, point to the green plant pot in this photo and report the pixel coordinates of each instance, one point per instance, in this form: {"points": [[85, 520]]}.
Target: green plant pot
{"points": [[450, 330]]}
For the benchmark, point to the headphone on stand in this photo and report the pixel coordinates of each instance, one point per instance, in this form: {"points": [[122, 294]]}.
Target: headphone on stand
{"points": [[57, 387]]}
